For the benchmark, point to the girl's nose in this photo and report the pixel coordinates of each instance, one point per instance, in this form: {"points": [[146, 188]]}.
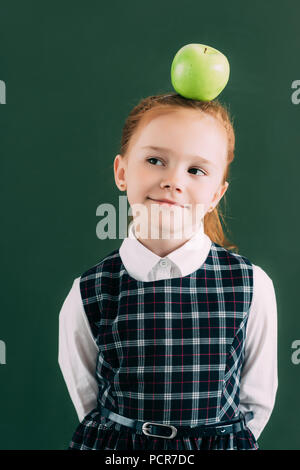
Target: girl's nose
{"points": [[170, 187], [172, 180]]}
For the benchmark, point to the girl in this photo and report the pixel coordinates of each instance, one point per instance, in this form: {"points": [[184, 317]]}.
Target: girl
{"points": [[171, 342]]}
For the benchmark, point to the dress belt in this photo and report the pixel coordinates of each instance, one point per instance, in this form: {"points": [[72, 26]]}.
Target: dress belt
{"points": [[168, 431]]}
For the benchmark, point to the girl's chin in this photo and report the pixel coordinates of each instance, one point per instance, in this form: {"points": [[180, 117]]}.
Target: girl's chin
{"points": [[165, 231]]}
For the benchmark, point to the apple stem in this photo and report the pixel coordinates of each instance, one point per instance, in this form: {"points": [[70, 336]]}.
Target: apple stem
{"points": [[205, 50]]}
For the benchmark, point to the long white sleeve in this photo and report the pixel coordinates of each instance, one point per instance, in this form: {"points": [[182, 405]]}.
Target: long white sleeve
{"points": [[77, 353], [259, 380]]}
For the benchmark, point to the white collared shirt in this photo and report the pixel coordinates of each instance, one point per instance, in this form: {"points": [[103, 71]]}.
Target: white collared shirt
{"points": [[259, 381]]}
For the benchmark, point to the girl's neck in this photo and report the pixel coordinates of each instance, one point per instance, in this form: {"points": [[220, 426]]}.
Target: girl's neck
{"points": [[162, 247]]}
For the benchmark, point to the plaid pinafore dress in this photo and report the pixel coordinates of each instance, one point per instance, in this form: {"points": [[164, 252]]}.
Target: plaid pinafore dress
{"points": [[170, 351]]}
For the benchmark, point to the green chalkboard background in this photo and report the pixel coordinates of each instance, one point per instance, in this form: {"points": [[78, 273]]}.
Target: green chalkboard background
{"points": [[73, 70]]}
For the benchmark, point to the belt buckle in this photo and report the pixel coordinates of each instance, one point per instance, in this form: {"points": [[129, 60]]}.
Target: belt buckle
{"points": [[145, 430]]}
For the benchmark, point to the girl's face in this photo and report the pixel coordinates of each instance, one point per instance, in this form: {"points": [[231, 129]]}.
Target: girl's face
{"points": [[178, 155]]}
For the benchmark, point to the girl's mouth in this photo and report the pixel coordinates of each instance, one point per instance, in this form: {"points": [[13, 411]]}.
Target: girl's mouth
{"points": [[167, 202]]}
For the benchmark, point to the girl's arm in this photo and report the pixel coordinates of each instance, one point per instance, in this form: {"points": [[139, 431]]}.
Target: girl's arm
{"points": [[77, 353], [259, 379]]}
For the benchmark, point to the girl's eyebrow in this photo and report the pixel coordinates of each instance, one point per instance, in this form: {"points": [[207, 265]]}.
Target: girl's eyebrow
{"points": [[162, 149]]}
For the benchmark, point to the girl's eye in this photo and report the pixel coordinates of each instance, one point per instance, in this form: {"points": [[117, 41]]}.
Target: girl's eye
{"points": [[153, 158], [198, 169], [156, 159]]}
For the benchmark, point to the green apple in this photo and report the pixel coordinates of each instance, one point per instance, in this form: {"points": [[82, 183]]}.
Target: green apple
{"points": [[199, 72]]}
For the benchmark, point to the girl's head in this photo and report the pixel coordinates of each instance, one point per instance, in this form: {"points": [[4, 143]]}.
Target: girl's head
{"points": [[178, 149]]}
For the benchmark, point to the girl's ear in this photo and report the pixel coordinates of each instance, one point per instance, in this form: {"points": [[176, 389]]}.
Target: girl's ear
{"points": [[220, 193], [119, 172], [226, 184], [223, 190]]}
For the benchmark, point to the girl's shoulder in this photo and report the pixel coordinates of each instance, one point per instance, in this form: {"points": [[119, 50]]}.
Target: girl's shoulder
{"points": [[261, 278], [259, 273], [109, 261], [225, 253]]}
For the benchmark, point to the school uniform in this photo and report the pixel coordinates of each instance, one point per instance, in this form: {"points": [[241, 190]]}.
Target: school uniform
{"points": [[188, 341]]}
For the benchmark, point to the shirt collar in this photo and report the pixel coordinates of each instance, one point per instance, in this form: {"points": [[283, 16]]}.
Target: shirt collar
{"points": [[139, 260]]}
